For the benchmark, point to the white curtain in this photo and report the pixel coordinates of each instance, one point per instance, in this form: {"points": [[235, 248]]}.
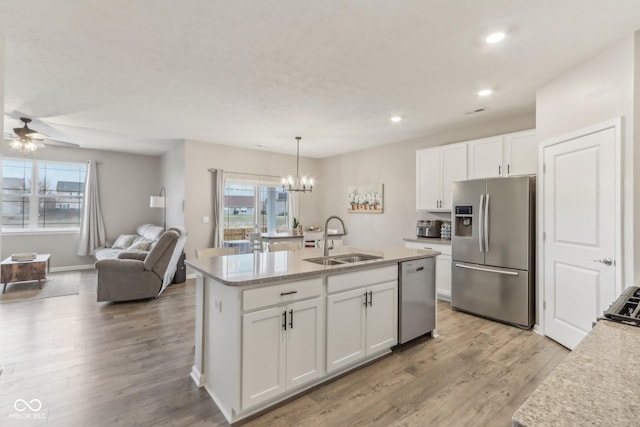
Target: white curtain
{"points": [[218, 177], [92, 233], [294, 203]]}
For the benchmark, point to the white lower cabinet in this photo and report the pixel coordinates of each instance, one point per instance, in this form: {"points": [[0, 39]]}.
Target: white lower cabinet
{"points": [[443, 266], [361, 322], [282, 348]]}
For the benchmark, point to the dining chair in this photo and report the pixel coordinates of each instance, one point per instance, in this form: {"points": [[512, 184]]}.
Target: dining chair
{"points": [[333, 243], [283, 246], [211, 252], [255, 241]]}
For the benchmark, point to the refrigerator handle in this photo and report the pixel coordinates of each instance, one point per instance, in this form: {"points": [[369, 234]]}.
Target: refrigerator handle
{"points": [[480, 217], [486, 224], [489, 270]]}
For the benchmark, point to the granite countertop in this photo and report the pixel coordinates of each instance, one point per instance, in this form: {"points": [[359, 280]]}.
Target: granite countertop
{"points": [[597, 384], [267, 267], [434, 240]]}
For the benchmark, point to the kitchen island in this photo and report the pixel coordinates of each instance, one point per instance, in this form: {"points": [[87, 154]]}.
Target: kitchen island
{"points": [[271, 325], [597, 384]]}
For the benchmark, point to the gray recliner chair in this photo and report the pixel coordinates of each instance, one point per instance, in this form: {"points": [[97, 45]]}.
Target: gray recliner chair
{"points": [[135, 275]]}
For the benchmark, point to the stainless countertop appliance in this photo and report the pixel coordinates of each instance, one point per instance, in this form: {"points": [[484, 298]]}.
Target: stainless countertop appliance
{"points": [[493, 249], [416, 299], [428, 228]]}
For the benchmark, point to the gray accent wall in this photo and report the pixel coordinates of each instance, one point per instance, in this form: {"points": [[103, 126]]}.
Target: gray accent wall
{"points": [[126, 182]]}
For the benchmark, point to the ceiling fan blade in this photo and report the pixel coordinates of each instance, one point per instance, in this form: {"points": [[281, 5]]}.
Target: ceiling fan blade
{"points": [[56, 143]]}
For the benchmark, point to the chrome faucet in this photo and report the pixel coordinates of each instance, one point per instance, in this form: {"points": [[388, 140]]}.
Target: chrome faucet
{"points": [[325, 250]]}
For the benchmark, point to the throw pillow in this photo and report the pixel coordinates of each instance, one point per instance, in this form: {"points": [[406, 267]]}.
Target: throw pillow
{"points": [[141, 245], [124, 241]]}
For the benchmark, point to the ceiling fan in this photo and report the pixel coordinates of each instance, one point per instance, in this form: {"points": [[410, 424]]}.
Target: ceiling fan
{"points": [[25, 139]]}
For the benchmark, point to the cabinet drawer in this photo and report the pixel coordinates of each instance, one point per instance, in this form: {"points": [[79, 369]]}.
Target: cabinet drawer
{"points": [[440, 247], [270, 295], [346, 281]]}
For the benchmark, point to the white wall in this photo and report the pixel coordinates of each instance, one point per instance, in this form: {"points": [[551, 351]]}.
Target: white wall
{"points": [[173, 180], [199, 157], [600, 89], [394, 166], [126, 181]]}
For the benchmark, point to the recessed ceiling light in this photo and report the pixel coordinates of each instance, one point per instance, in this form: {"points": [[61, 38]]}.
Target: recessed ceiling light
{"points": [[485, 92], [396, 119], [495, 38]]}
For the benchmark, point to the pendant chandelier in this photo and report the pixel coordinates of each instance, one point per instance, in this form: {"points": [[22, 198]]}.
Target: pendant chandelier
{"points": [[297, 183]]}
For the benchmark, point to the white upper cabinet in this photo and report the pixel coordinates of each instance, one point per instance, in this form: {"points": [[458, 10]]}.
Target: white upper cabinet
{"points": [[436, 169], [504, 155], [485, 157], [521, 153]]}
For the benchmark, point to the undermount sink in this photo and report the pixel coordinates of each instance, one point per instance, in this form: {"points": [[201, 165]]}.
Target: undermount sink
{"points": [[342, 259]]}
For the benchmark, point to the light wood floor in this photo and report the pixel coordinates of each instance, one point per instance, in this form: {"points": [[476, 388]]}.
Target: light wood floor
{"points": [[128, 364]]}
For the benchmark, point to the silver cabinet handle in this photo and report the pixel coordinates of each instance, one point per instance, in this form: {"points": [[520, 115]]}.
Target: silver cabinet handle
{"points": [[499, 170], [605, 261]]}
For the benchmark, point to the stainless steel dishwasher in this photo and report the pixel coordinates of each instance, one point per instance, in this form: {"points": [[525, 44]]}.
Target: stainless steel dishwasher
{"points": [[416, 299]]}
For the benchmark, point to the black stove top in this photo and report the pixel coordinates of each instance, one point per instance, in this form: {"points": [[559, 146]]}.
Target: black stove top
{"points": [[626, 308]]}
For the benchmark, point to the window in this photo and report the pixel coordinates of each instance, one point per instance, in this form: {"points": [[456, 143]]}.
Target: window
{"points": [[54, 202], [250, 204]]}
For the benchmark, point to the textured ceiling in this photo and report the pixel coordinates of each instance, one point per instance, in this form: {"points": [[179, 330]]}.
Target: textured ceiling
{"points": [[138, 75]]}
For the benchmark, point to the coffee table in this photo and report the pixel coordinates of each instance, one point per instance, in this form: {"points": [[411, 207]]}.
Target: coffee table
{"points": [[24, 271]]}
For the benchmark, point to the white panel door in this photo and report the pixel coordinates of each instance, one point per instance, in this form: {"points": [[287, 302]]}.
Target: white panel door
{"points": [[382, 317], [428, 179], [521, 153], [485, 158], [454, 168], [580, 224], [263, 358], [345, 328], [304, 342]]}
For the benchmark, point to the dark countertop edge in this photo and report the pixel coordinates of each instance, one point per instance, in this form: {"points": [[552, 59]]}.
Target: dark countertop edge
{"points": [[434, 240], [329, 269]]}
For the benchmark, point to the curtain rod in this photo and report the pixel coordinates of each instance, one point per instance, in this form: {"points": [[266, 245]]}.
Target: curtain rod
{"points": [[246, 173]]}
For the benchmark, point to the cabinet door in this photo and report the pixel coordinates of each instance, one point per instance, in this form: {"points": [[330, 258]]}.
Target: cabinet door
{"points": [[428, 184], [485, 158], [263, 358], [443, 277], [345, 328], [521, 153], [304, 342], [454, 168], [382, 317]]}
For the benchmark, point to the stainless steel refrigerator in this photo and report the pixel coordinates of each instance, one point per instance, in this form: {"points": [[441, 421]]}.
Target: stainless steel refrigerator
{"points": [[493, 249]]}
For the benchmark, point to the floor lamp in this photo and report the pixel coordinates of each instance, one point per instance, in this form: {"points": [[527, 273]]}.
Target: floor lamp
{"points": [[160, 201]]}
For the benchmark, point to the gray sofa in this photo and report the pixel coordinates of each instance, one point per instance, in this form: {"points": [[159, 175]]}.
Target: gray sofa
{"points": [[139, 274], [144, 233]]}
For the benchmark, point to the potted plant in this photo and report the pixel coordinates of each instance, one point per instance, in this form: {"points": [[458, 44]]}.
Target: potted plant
{"points": [[294, 225]]}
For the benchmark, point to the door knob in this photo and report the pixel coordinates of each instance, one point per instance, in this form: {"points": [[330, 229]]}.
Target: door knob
{"points": [[605, 261]]}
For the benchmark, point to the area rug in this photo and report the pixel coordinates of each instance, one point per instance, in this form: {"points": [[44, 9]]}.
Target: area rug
{"points": [[25, 291]]}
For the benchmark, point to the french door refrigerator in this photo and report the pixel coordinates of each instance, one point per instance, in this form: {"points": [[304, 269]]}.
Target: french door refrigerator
{"points": [[493, 249]]}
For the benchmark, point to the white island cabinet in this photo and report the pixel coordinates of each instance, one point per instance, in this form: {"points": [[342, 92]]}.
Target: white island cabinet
{"points": [[282, 346], [362, 317], [271, 325]]}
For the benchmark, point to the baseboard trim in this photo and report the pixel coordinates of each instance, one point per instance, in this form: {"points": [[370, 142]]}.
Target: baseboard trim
{"points": [[192, 276], [71, 268]]}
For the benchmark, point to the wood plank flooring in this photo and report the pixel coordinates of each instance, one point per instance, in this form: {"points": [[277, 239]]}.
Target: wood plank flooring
{"points": [[125, 364]]}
